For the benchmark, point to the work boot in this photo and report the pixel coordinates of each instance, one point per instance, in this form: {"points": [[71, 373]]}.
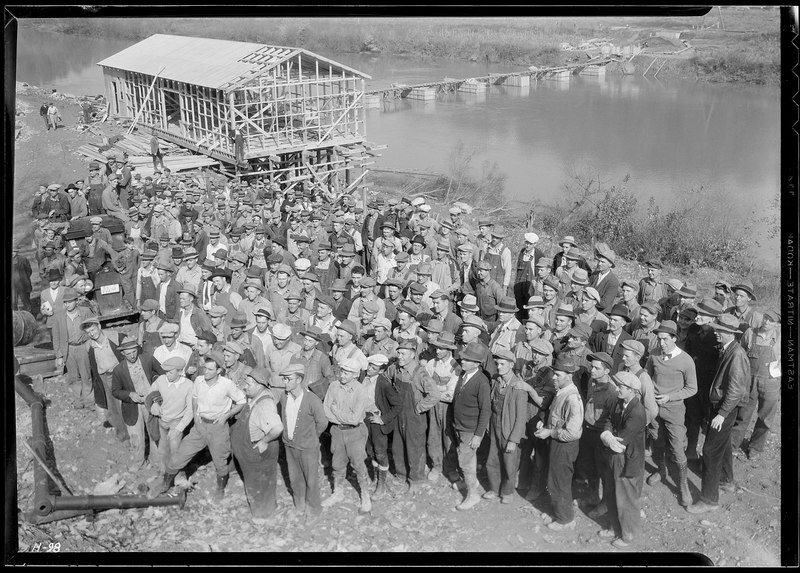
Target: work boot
{"points": [[164, 487], [684, 496], [336, 496], [597, 511], [366, 502], [661, 473], [472, 498], [222, 481]]}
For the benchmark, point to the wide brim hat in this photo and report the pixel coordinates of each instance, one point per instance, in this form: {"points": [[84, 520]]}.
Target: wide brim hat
{"points": [[446, 340], [534, 302], [727, 323], [603, 357], [580, 277], [474, 322], [620, 310], [687, 291], [668, 327], [469, 304], [239, 321], [474, 352], [569, 239], [746, 286], [507, 304], [604, 251], [348, 326]]}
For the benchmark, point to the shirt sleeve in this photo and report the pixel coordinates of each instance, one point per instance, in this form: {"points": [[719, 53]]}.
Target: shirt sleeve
{"points": [[505, 260], [571, 430], [236, 394]]}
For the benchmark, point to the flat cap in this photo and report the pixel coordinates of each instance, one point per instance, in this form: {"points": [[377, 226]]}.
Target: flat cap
{"points": [[281, 331], [293, 369], [174, 363]]}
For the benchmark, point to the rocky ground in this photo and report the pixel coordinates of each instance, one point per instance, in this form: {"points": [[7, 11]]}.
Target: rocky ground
{"points": [[745, 531]]}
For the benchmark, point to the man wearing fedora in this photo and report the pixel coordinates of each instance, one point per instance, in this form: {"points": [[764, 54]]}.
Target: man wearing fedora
{"points": [[104, 356], [526, 274], [624, 440], [191, 318], [603, 278], [675, 379], [167, 294], [763, 347], [701, 345], [215, 400], [472, 410], [730, 384], [499, 258], [567, 244], [304, 421], [563, 429], [508, 330], [506, 428], [254, 353], [686, 299], [743, 295], [318, 371], [69, 345], [255, 443], [130, 382], [563, 322], [610, 340]]}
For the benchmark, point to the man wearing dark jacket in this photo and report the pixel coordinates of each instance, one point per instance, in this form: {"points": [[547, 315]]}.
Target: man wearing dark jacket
{"points": [[130, 383], [20, 280], [623, 439], [729, 386], [603, 279], [103, 358], [472, 409], [610, 340]]}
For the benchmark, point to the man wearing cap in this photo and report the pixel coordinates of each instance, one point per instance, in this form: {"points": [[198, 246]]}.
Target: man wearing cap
{"points": [[255, 445], [722, 293], [130, 382], [234, 368], [588, 311], [21, 286], [603, 278], [506, 428], [344, 347], [346, 404], [55, 205], [418, 394], [254, 353], [52, 298], [96, 253], [652, 286], [686, 299], [70, 349], [318, 371], [577, 347], [471, 414], [380, 342], [215, 400], [763, 347], [591, 464], [169, 344], [610, 340], [563, 429], [560, 262], [296, 316], [675, 379], [127, 265], [189, 274], [219, 325], [508, 331], [528, 256], [170, 402], [253, 301], [304, 421], [323, 268], [309, 291], [342, 304], [282, 354], [441, 310], [731, 383], [743, 294], [103, 358], [624, 440], [112, 205], [632, 352], [488, 294], [542, 273], [383, 261], [532, 331], [563, 322], [207, 342], [98, 230]]}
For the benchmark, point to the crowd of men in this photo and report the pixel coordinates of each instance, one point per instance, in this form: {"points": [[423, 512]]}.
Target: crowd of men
{"points": [[284, 324]]}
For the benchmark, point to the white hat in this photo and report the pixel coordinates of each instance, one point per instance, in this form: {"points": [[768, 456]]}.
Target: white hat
{"points": [[281, 331], [302, 264], [455, 211], [417, 201], [425, 207], [532, 238], [378, 359]]}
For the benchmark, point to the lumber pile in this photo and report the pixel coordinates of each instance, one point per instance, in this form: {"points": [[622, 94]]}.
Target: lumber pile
{"points": [[136, 147]]}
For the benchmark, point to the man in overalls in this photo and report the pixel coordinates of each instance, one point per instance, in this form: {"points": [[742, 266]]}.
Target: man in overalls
{"points": [[763, 347], [419, 393], [499, 256], [255, 445]]}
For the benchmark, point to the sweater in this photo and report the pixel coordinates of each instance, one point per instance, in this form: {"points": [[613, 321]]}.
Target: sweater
{"points": [[472, 404], [675, 377]]}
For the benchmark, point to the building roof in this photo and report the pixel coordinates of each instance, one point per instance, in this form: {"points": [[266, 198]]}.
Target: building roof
{"points": [[217, 64]]}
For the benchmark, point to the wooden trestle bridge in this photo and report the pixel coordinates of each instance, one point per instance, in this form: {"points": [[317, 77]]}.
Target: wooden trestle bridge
{"points": [[449, 85]]}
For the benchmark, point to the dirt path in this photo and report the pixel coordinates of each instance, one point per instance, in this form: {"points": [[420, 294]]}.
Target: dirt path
{"points": [[745, 531]]}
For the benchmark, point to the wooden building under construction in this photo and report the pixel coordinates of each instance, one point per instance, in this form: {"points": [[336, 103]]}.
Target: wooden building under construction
{"points": [[260, 110]]}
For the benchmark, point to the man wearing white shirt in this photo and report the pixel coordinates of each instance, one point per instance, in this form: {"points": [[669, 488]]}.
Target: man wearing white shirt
{"points": [[445, 372], [170, 346]]}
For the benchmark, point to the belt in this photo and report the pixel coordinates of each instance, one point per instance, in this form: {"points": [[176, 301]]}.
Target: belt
{"points": [[348, 426], [207, 420], [77, 343]]}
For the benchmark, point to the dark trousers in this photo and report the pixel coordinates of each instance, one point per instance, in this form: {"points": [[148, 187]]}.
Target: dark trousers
{"points": [[559, 478], [408, 446], [696, 408], [261, 481], [378, 445], [501, 467], [717, 458], [624, 499], [534, 455], [303, 468], [20, 299], [592, 463]]}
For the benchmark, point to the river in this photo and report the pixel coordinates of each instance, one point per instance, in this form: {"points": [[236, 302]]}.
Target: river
{"points": [[669, 136]]}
